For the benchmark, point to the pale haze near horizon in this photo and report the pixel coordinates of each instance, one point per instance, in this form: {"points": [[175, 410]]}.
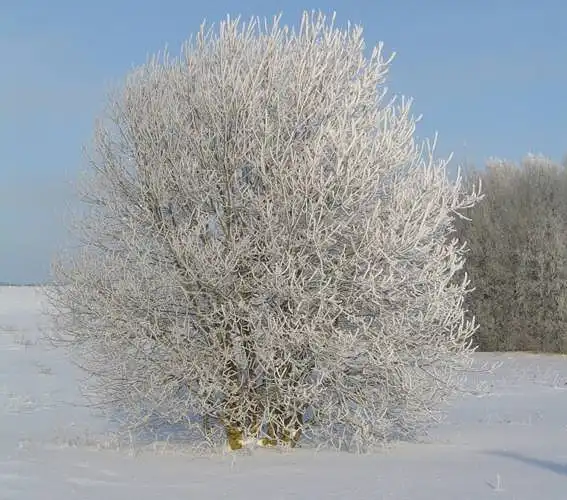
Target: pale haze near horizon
{"points": [[489, 77]]}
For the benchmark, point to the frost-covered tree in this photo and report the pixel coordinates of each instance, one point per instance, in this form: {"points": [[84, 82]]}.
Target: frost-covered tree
{"points": [[266, 248]]}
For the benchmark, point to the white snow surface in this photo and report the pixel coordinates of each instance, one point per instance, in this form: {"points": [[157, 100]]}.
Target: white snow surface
{"points": [[507, 443]]}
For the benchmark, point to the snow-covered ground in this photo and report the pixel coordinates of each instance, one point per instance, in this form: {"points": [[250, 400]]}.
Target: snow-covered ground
{"points": [[508, 444]]}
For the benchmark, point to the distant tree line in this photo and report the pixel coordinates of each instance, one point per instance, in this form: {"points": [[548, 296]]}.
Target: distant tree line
{"points": [[517, 260]]}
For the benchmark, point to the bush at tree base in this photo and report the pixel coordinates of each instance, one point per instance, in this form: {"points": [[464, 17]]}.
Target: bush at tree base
{"points": [[266, 246]]}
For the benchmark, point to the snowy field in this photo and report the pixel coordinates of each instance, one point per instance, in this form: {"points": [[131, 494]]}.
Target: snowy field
{"points": [[508, 444]]}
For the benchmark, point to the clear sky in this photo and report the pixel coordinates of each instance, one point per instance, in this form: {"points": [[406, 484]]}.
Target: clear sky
{"points": [[490, 76]]}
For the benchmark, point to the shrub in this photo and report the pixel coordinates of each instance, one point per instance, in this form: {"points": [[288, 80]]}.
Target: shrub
{"points": [[518, 256], [265, 248]]}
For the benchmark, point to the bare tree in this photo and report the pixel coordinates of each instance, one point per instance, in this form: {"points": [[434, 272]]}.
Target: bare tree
{"points": [[266, 249]]}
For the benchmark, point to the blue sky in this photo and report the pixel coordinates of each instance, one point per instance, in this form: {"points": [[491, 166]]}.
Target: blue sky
{"points": [[490, 76]]}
